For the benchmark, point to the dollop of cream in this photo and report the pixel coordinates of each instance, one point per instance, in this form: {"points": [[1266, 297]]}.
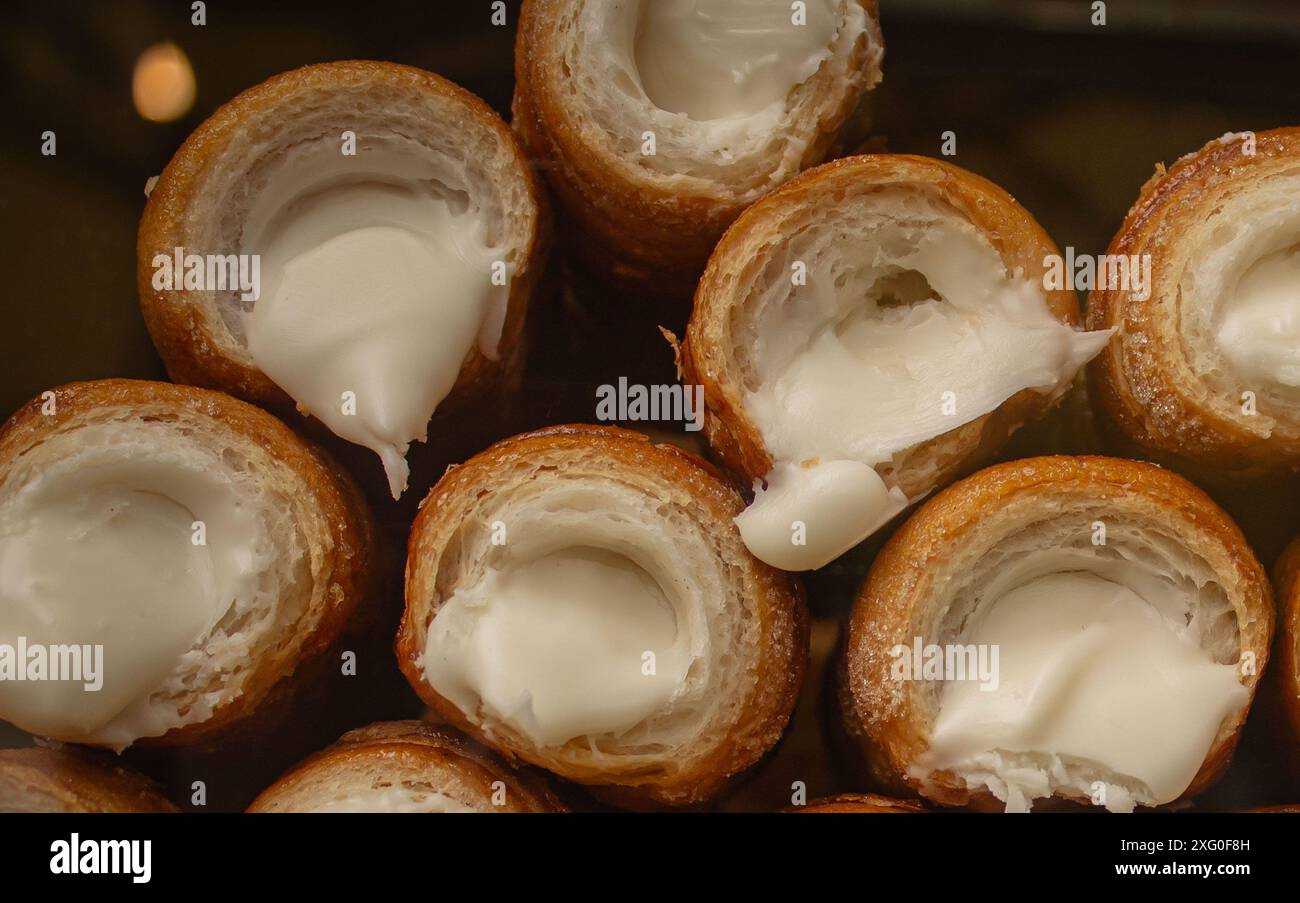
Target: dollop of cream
{"points": [[572, 643], [110, 558], [377, 283], [1098, 691], [1259, 326], [917, 330], [844, 503], [720, 59]]}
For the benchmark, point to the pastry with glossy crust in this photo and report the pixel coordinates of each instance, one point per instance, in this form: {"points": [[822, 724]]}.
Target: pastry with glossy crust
{"points": [[408, 762], [202, 199], [580, 108], [927, 581], [41, 779], [319, 578], [1165, 384], [673, 516]]}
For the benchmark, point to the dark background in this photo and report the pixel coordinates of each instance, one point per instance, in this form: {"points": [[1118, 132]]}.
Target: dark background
{"points": [[1071, 118]]}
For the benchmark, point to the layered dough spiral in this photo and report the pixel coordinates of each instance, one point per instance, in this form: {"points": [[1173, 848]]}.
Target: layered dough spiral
{"points": [[407, 766], [398, 232], [660, 120], [171, 561], [1205, 367], [865, 333], [579, 598], [1125, 618], [70, 780]]}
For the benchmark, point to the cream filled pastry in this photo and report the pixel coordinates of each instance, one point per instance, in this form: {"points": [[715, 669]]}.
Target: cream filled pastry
{"points": [[376, 288], [394, 230], [1093, 630], [579, 598], [1090, 671], [157, 543], [1205, 369], [407, 766], [664, 119], [864, 333]]}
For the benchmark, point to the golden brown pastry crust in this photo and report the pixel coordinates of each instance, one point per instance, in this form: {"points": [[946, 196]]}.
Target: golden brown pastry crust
{"points": [[434, 748], [889, 730], [758, 719], [706, 358], [348, 549], [42, 779], [858, 803], [181, 325], [1153, 397], [641, 233]]}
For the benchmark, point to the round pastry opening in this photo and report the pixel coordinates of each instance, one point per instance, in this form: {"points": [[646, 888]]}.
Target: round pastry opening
{"points": [[1102, 674], [885, 323], [723, 59], [133, 573], [563, 642], [1258, 321], [867, 321], [377, 281]]}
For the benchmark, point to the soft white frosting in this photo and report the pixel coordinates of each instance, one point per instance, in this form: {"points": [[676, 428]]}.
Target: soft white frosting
{"points": [[1259, 322], [576, 642], [376, 281], [1101, 678], [724, 59], [390, 799], [843, 377], [103, 554]]}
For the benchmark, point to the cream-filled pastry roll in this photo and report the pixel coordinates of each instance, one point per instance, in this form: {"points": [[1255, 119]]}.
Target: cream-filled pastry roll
{"points": [[1089, 629], [407, 766], [1205, 366], [70, 780], [660, 120], [172, 560], [579, 598], [387, 234], [864, 334]]}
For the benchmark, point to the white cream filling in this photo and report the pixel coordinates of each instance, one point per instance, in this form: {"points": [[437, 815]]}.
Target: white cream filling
{"points": [[390, 799], [576, 642], [840, 499], [106, 554], [864, 362], [727, 59], [1103, 689], [377, 283], [1259, 323]]}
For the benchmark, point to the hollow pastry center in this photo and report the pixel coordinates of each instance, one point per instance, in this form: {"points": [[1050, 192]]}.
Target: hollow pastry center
{"points": [[376, 283], [906, 332], [388, 799], [574, 643], [1259, 324], [717, 59], [109, 576], [1095, 691]]}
